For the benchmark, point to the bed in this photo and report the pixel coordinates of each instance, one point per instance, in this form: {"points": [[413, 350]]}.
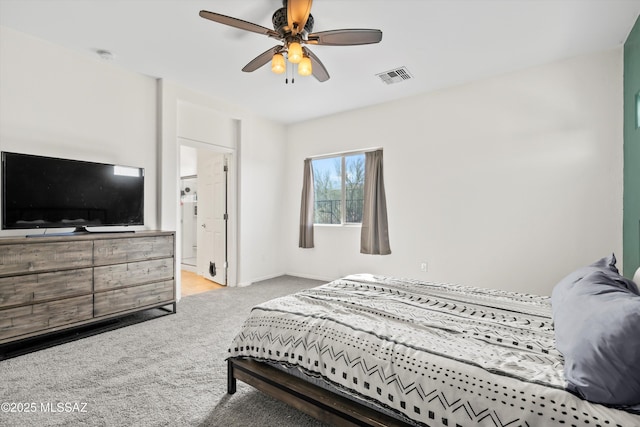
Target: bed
{"points": [[375, 350]]}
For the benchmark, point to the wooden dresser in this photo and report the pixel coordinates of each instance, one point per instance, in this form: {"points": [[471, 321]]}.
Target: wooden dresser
{"points": [[52, 283]]}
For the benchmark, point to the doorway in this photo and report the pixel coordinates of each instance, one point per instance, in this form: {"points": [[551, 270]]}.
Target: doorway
{"points": [[188, 216], [204, 218]]}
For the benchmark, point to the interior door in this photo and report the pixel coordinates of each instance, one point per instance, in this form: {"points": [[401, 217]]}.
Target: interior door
{"points": [[212, 237]]}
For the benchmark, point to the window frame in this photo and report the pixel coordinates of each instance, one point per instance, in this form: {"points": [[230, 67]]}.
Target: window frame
{"points": [[343, 178]]}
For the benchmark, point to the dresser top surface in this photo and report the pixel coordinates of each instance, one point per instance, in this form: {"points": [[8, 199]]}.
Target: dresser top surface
{"points": [[43, 238]]}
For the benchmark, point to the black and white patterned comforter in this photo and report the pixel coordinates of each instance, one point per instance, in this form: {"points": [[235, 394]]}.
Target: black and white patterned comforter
{"points": [[437, 354]]}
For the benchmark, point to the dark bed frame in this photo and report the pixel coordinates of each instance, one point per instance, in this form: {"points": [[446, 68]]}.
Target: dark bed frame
{"points": [[321, 404]]}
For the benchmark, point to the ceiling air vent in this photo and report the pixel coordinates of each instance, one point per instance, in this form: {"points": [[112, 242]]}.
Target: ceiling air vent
{"points": [[396, 75]]}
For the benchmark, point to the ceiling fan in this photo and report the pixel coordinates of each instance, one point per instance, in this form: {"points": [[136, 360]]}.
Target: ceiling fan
{"points": [[293, 26]]}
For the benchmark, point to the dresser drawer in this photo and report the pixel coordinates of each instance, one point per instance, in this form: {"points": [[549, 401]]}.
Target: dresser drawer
{"points": [[37, 317], [132, 273], [134, 297], [35, 257], [113, 251], [33, 288]]}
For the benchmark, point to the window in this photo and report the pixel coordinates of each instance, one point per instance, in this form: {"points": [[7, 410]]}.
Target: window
{"points": [[338, 185], [343, 195]]}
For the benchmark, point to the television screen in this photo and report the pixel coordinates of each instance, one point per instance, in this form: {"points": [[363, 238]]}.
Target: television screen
{"points": [[46, 192]]}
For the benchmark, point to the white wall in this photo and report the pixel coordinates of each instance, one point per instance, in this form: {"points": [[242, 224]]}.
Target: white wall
{"points": [[509, 182], [263, 175], [258, 146], [54, 102], [57, 102]]}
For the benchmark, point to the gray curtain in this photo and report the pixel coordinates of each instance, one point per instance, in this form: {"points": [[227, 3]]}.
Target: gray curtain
{"points": [[374, 238], [306, 207]]}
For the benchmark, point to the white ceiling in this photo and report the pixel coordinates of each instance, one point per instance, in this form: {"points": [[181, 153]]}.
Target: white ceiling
{"points": [[442, 43]]}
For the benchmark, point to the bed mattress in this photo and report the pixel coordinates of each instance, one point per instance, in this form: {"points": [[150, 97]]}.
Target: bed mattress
{"points": [[434, 353]]}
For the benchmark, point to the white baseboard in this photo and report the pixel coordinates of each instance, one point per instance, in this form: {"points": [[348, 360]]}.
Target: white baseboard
{"points": [[259, 279], [312, 277], [187, 267], [301, 275]]}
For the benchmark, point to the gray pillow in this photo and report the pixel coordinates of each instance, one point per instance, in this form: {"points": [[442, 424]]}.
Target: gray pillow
{"points": [[607, 265], [596, 315]]}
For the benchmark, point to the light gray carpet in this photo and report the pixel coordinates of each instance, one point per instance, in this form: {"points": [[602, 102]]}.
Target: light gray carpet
{"points": [[168, 371]]}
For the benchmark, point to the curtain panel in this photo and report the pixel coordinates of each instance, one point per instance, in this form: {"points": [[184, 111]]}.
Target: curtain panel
{"points": [[374, 237], [306, 207]]}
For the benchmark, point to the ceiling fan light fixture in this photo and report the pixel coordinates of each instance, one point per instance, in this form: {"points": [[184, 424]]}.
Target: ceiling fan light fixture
{"points": [[304, 67], [294, 52], [278, 64]]}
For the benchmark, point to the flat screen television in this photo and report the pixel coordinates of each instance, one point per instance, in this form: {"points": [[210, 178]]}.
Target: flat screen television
{"points": [[47, 192]]}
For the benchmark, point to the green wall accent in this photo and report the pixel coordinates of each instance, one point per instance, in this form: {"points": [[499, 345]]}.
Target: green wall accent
{"points": [[631, 215]]}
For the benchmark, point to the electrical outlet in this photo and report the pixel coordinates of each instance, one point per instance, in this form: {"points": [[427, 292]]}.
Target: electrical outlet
{"points": [[423, 267]]}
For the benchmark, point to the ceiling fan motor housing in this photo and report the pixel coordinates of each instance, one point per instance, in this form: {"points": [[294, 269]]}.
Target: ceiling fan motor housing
{"points": [[280, 22]]}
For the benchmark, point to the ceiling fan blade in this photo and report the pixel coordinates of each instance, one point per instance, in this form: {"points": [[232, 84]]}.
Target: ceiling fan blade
{"points": [[262, 59], [318, 69], [349, 37], [238, 23], [297, 14]]}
